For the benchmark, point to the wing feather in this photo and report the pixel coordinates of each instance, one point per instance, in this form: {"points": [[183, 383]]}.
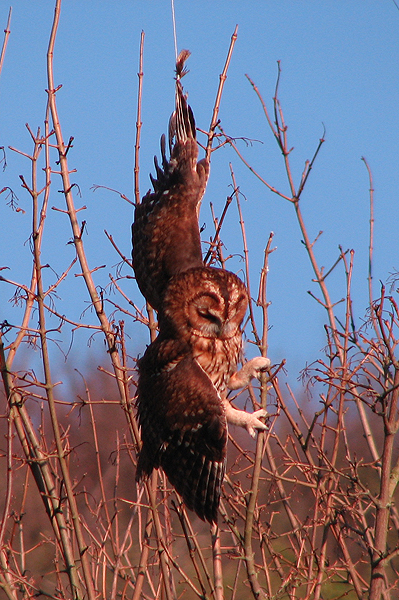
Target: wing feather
{"points": [[165, 231], [183, 426]]}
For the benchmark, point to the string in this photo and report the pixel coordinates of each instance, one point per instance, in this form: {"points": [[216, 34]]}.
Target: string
{"points": [[174, 26]]}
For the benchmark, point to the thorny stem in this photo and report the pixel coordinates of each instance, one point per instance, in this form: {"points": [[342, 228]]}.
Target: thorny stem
{"points": [[150, 311], [371, 235], [385, 498], [246, 163], [371, 247], [246, 257], [142, 568], [257, 591], [328, 488], [5, 41], [87, 275], [280, 132], [194, 548], [222, 79], [340, 537], [217, 562], [9, 467], [215, 240], [41, 472], [57, 435], [98, 459], [46, 365], [30, 299], [138, 123], [217, 244], [31, 446]]}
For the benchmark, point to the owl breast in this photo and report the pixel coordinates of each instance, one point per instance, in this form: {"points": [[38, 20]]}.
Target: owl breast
{"points": [[218, 358], [205, 307]]}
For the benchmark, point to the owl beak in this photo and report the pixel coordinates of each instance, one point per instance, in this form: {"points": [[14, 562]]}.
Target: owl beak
{"points": [[227, 330]]}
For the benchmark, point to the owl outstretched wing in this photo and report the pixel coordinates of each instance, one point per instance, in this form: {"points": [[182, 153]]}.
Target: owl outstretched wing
{"points": [[165, 232], [183, 425]]}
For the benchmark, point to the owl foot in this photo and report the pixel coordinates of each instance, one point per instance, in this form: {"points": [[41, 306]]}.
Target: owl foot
{"points": [[253, 368], [249, 421]]}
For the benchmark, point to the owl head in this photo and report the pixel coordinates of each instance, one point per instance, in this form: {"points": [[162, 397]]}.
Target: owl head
{"points": [[204, 301]]}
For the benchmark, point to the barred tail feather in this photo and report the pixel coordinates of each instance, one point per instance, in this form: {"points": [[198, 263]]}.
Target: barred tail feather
{"points": [[182, 123], [195, 477]]}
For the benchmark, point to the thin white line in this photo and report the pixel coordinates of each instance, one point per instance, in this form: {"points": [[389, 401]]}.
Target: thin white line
{"points": [[174, 26]]}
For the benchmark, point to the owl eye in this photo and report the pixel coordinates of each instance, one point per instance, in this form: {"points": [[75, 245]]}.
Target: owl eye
{"points": [[206, 314]]}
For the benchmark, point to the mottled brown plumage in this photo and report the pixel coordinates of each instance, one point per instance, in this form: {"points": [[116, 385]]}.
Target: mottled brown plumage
{"points": [[205, 308], [185, 374], [165, 232], [183, 377], [183, 425]]}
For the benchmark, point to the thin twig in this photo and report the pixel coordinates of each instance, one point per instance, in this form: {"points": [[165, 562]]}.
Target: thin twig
{"points": [[5, 40], [217, 562], [222, 79], [9, 467], [140, 75], [246, 255]]}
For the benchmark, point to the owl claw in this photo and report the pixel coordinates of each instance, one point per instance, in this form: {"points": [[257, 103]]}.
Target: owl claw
{"points": [[255, 423], [253, 368], [248, 421]]}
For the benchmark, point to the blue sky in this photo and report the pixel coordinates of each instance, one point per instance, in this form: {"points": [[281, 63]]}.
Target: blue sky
{"points": [[339, 68]]}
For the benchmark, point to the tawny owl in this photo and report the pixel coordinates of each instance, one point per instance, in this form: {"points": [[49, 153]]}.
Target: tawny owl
{"points": [[184, 377], [165, 232]]}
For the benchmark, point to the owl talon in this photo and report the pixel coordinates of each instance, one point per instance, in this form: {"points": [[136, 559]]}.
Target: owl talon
{"points": [[249, 421], [253, 368], [256, 423]]}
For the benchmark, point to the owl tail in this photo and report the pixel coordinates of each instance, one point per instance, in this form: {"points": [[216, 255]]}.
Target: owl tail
{"points": [[182, 123]]}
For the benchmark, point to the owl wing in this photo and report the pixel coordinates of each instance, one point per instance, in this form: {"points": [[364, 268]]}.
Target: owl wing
{"points": [[165, 233], [183, 426]]}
